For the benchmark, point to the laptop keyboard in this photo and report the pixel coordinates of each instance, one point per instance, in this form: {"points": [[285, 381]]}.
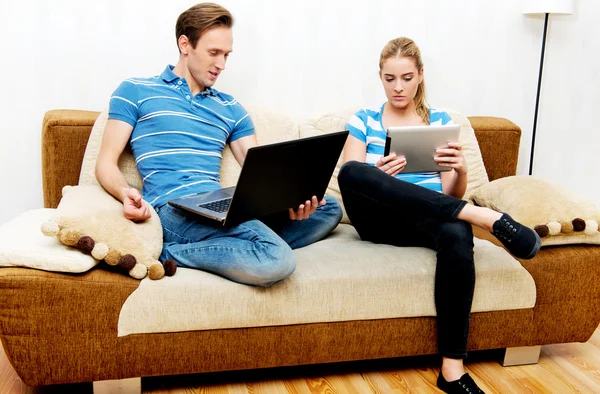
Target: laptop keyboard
{"points": [[217, 206]]}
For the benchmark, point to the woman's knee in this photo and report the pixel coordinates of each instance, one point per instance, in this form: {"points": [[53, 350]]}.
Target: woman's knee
{"points": [[458, 231], [456, 238], [350, 172]]}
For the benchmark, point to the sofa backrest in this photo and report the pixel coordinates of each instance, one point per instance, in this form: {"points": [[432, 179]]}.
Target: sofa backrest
{"points": [[65, 135], [270, 127], [126, 162], [476, 169], [274, 127]]}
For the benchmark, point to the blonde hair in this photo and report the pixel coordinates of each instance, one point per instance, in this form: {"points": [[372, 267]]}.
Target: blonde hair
{"points": [[405, 47], [200, 17]]}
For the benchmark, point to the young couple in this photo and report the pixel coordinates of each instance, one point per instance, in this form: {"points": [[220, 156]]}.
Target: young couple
{"points": [[178, 126]]}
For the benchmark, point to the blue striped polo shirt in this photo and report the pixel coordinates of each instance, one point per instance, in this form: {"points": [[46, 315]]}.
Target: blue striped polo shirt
{"points": [[177, 139], [366, 126]]}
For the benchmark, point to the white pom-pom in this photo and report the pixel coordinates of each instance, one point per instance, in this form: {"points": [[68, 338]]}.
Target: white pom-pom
{"points": [[139, 271], [66, 189], [50, 229], [591, 227], [554, 228], [100, 251]]}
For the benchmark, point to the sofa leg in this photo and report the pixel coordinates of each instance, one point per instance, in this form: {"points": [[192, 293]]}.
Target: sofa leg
{"points": [[121, 386], [521, 355]]}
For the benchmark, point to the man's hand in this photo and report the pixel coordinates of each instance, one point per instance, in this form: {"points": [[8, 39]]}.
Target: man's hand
{"points": [[305, 210], [134, 207], [391, 164]]}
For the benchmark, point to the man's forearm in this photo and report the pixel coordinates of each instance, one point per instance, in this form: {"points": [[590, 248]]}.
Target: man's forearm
{"points": [[112, 180]]}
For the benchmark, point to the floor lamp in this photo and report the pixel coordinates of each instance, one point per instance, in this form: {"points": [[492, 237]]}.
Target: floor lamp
{"points": [[543, 7]]}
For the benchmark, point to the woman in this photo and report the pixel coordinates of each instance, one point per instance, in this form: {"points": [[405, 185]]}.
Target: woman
{"points": [[388, 206]]}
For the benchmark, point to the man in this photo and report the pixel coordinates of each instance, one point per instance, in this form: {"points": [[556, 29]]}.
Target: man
{"points": [[178, 125]]}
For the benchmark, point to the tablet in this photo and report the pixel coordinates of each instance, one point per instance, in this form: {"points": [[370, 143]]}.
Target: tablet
{"points": [[418, 144]]}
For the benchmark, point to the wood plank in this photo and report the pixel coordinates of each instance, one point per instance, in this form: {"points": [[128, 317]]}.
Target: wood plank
{"points": [[351, 383], [575, 365], [269, 387]]}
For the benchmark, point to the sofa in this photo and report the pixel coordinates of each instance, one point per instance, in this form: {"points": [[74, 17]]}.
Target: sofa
{"points": [[340, 305]]}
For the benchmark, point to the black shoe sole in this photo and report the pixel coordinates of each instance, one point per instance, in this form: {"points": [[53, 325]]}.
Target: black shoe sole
{"points": [[536, 248]]}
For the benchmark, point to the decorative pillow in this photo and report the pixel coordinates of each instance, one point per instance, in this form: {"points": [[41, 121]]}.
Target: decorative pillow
{"points": [[92, 220], [22, 245], [477, 175], [557, 215], [337, 121]]}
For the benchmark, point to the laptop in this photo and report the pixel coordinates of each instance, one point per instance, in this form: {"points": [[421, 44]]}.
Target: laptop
{"points": [[418, 144], [274, 177]]}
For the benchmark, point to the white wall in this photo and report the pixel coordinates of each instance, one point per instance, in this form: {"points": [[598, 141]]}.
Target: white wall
{"points": [[306, 58], [568, 135]]}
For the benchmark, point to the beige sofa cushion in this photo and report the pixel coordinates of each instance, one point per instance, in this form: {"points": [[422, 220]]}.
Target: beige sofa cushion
{"points": [[338, 279], [477, 175], [330, 123], [337, 121], [270, 127], [22, 244]]}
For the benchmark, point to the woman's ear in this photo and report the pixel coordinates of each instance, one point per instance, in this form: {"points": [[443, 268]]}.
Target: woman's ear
{"points": [[421, 75]]}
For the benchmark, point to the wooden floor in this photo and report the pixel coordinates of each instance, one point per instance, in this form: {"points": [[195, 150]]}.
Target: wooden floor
{"points": [[569, 368]]}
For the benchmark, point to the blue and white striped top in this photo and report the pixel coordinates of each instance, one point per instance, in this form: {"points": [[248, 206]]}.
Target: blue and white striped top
{"points": [[366, 126], [177, 139]]}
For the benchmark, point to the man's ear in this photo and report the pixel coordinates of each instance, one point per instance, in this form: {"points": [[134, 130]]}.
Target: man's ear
{"points": [[184, 44]]}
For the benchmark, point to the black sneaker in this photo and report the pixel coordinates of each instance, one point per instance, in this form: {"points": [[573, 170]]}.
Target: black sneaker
{"points": [[520, 240], [465, 384]]}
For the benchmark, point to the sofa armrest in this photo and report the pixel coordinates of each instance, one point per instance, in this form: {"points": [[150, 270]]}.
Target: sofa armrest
{"points": [[499, 141], [65, 135]]}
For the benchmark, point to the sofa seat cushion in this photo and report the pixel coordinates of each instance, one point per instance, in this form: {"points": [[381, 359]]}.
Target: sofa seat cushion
{"points": [[338, 279]]}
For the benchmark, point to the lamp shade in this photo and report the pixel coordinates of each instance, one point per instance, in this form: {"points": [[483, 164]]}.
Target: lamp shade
{"points": [[564, 7]]}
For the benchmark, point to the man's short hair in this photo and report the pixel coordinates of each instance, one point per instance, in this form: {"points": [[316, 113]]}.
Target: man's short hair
{"points": [[200, 17]]}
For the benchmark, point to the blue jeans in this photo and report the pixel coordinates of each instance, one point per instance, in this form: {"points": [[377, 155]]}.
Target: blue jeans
{"points": [[256, 252]]}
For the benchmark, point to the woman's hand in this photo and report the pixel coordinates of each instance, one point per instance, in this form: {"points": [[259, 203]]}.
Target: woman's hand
{"points": [[391, 164], [452, 157]]}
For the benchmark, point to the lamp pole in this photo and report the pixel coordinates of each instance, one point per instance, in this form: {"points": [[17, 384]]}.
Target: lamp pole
{"points": [[537, 97]]}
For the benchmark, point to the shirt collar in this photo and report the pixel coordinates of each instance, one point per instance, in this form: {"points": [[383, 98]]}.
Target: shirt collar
{"points": [[169, 76]]}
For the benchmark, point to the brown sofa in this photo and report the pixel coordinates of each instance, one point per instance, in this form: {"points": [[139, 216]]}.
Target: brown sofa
{"points": [[61, 328]]}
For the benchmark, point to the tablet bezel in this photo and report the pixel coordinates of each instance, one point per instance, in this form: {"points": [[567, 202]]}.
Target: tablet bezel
{"points": [[419, 143]]}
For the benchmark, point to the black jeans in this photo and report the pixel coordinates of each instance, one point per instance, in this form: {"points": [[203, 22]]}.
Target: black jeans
{"points": [[384, 209]]}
